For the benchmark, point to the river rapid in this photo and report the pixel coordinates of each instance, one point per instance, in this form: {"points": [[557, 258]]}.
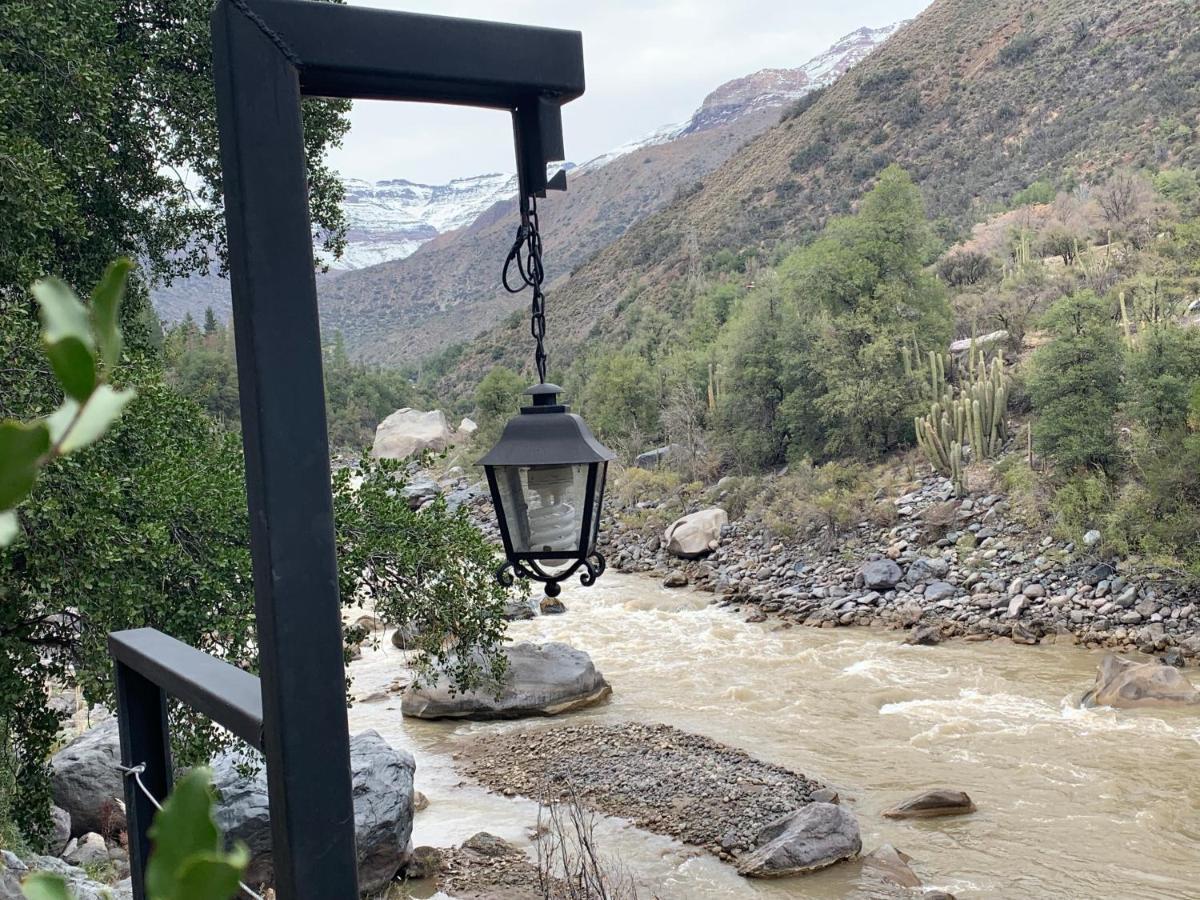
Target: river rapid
{"points": [[1072, 803]]}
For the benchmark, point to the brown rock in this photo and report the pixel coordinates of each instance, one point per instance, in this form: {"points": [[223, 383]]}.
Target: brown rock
{"points": [[939, 802], [1126, 684]]}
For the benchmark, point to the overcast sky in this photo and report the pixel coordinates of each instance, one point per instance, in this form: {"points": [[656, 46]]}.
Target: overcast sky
{"points": [[648, 63]]}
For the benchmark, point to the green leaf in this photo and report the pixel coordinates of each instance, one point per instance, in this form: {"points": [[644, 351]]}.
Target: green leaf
{"points": [[211, 876], [67, 336], [75, 367], [182, 828], [63, 315], [21, 449], [10, 527], [45, 886], [73, 427], [106, 308]]}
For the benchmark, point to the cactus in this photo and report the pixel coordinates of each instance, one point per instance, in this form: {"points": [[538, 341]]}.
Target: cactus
{"points": [[971, 416]]}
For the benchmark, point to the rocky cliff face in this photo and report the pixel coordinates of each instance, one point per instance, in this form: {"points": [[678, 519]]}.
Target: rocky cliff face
{"points": [[777, 87]]}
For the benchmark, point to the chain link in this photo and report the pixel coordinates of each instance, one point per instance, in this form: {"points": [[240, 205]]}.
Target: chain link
{"points": [[526, 252]]}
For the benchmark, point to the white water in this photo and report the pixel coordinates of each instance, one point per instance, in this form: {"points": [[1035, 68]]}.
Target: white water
{"points": [[1072, 803]]}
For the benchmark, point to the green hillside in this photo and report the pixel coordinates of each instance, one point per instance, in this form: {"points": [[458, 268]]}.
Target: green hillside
{"points": [[976, 101]]}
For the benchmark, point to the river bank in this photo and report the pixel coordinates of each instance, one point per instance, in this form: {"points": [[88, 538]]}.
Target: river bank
{"points": [[941, 567]]}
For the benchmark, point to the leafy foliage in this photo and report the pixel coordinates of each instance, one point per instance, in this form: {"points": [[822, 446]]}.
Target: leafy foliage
{"points": [[202, 365], [428, 572], [93, 144], [1076, 384], [82, 344]]}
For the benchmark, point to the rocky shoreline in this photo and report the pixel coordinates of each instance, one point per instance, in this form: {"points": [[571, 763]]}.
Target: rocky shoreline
{"points": [[947, 567]]}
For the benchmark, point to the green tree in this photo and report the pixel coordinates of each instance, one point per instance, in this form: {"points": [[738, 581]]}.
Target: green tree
{"points": [[1161, 374], [620, 400], [210, 321], [864, 286], [752, 385], [497, 399], [431, 572], [1076, 384], [113, 152]]}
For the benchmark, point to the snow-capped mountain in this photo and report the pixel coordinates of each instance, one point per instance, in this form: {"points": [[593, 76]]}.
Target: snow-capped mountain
{"points": [[764, 89], [391, 219]]}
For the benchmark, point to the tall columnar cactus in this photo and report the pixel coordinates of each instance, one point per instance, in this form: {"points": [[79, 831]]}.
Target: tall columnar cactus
{"points": [[969, 417]]}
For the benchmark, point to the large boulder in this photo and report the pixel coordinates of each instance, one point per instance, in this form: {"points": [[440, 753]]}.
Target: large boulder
{"points": [[659, 457], [931, 804], [540, 680], [695, 535], [983, 341], [409, 431], [382, 779], [880, 574], [87, 783], [80, 886], [810, 838], [1125, 684], [927, 568]]}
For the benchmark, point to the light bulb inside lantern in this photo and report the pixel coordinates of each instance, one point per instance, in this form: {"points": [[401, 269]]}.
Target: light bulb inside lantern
{"points": [[552, 521]]}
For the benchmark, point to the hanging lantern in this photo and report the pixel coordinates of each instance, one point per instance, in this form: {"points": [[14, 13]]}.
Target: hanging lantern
{"points": [[547, 472], [547, 477]]}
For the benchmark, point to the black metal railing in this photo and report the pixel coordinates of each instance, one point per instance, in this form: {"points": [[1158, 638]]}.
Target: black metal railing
{"points": [[150, 667]]}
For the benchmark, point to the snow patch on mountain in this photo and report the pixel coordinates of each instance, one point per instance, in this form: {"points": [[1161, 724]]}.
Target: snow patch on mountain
{"points": [[389, 220]]}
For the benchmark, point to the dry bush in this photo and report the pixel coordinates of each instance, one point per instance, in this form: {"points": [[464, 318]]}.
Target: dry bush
{"points": [[570, 864]]}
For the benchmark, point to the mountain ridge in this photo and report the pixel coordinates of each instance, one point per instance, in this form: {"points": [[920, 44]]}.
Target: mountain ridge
{"points": [[390, 220], [977, 103]]}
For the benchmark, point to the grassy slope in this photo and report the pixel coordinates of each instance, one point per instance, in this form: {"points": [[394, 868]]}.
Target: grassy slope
{"points": [[976, 99]]}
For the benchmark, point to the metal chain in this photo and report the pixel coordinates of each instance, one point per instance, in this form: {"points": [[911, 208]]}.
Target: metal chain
{"points": [[135, 772], [527, 253]]}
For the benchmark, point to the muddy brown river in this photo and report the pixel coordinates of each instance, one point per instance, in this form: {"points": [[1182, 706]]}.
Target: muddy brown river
{"points": [[1072, 803]]}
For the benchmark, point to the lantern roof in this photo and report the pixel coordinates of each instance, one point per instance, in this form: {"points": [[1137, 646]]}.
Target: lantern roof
{"points": [[546, 434]]}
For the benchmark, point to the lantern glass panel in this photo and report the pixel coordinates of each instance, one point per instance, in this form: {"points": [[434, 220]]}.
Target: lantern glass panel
{"points": [[543, 506], [597, 498]]}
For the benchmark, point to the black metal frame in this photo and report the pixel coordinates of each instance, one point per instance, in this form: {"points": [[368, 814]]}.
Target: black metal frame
{"points": [[527, 564], [267, 55]]}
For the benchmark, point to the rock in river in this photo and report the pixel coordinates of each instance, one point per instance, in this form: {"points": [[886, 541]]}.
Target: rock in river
{"points": [[939, 802], [541, 680], [382, 784], [87, 783], [1124, 683], [810, 838], [695, 535], [887, 865]]}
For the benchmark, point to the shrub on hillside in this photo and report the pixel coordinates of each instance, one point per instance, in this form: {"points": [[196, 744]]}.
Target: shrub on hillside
{"points": [[965, 267], [1076, 384]]}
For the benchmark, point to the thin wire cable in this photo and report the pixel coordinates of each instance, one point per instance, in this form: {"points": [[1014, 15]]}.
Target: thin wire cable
{"points": [[526, 252], [136, 773]]}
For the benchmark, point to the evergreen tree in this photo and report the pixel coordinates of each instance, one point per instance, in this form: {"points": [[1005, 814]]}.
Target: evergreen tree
{"points": [[1076, 384], [864, 287]]}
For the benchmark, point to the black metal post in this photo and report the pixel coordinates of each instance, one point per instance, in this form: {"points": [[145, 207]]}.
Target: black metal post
{"points": [[278, 338], [266, 55], [142, 718]]}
